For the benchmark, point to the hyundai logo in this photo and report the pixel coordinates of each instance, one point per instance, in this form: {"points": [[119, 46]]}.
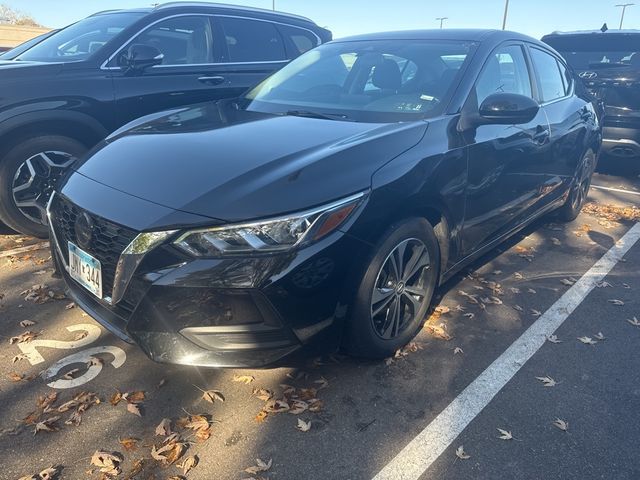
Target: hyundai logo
{"points": [[588, 75], [83, 230]]}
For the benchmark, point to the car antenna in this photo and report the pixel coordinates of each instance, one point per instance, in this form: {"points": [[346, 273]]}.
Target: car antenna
{"points": [[604, 28]]}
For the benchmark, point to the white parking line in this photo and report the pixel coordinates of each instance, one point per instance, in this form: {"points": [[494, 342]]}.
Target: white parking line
{"points": [[429, 444], [619, 190]]}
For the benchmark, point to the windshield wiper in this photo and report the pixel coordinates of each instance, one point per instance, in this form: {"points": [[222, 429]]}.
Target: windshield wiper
{"points": [[310, 114]]}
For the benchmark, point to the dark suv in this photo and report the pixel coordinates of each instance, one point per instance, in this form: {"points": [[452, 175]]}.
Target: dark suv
{"points": [[65, 94], [608, 61]]}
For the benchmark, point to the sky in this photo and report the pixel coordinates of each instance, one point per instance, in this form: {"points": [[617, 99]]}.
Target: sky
{"points": [[348, 17]]}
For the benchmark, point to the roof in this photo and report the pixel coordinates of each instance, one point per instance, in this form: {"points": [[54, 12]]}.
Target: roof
{"points": [[593, 32], [230, 7], [469, 35]]}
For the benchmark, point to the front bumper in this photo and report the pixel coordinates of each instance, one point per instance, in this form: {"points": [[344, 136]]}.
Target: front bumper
{"points": [[242, 312]]}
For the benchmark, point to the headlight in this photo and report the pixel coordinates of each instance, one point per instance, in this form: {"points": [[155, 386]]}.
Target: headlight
{"points": [[272, 235]]}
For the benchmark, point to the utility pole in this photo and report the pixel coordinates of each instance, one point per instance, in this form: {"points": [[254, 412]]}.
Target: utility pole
{"points": [[273, 5], [506, 13], [442, 19], [624, 9]]}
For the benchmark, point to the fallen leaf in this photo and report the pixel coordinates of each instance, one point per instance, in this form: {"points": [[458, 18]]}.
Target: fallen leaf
{"points": [[461, 454], [161, 383], [115, 398], [25, 337], [555, 241], [260, 466], [246, 379], [635, 322], [553, 339], [322, 382], [518, 308], [561, 424], [164, 427], [134, 397], [80, 335], [108, 463], [188, 464], [263, 394], [504, 434], [47, 425], [16, 377], [129, 443], [616, 302], [457, 351], [547, 381], [438, 331], [69, 306], [134, 408], [212, 395], [599, 336], [567, 282], [261, 416], [49, 473], [531, 290], [20, 356], [470, 315], [70, 374], [603, 284], [442, 309], [587, 340], [518, 276], [535, 312], [303, 426], [27, 323]]}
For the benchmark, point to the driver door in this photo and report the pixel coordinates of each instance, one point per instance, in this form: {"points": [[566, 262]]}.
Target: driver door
{"points": [[506, 163], [189, 73]]}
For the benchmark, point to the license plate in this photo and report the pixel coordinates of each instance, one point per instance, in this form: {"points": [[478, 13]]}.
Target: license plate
{"points": [[85, 270]]}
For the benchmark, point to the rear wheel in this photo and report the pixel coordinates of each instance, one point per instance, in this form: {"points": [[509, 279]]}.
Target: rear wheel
{"points": [[29, 173], [579, 190], [396, 290]]}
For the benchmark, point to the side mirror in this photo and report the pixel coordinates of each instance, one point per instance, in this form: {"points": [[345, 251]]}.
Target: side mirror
{"points": [[508, 109], [139, 57]]}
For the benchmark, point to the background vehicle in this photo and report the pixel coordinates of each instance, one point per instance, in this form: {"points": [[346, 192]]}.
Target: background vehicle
{"points": [[326, 205], [63, 95], [609, 64], [10, 54]]}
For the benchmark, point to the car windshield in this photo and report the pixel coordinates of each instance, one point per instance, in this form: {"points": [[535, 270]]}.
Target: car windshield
{"points": [[80, 40], [367, 81], [598, 51]]}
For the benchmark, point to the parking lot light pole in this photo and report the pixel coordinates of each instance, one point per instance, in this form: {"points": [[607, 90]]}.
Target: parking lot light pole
{"points": [[624, 9], [442, 19], [506, 13], [273, 5]]}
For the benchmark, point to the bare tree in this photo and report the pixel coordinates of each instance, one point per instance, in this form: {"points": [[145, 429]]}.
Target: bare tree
{"points": [[16, 17]]}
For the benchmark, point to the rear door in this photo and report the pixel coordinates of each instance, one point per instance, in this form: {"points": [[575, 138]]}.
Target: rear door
{"points": [[190, 72], [506, 170], [568, 116], [252, 49]]}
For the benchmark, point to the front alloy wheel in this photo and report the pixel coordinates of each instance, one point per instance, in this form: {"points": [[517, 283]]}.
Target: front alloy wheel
{"points": [[35, 180], [400, 289], [30, 170], [395, 290]]}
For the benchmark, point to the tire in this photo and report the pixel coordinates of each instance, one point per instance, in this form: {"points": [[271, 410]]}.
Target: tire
{"points": [[370, 330], [29, 172], [579, 190]]}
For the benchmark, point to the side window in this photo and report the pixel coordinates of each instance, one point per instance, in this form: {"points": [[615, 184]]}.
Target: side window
{"points": [[252, 40], [566, 77], [301, 40], [182, 40], [552, 85], [506, 71]]}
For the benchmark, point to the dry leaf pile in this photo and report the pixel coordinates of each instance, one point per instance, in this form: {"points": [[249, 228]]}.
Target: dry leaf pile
{"points": [[41, 293], [47, 415]]}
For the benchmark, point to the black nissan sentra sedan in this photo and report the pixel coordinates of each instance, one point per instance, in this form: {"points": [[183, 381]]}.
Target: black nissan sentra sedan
{"points": [[323, 207]]}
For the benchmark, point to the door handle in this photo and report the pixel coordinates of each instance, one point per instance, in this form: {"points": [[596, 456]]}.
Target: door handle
{"points": [[542, 135], [214, 80]]}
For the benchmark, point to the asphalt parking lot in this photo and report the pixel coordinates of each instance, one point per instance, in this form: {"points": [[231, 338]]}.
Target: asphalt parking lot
{"points": [[480, 364]]}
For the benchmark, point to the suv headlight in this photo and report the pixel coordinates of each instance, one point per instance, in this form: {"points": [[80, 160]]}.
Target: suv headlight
{"points": [[271, 235]]}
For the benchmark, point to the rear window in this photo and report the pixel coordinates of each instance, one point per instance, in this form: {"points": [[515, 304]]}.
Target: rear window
{"points": [[252, 40]]}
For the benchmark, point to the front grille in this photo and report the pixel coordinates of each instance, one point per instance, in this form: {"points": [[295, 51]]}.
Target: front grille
{"points": [[108, 240]]}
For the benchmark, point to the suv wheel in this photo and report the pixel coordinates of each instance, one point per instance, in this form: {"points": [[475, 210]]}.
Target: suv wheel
{"points": [[396, 291], [29, 173]]}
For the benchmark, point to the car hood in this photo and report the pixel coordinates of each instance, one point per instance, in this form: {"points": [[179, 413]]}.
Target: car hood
{"points": [[234, 165]]}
